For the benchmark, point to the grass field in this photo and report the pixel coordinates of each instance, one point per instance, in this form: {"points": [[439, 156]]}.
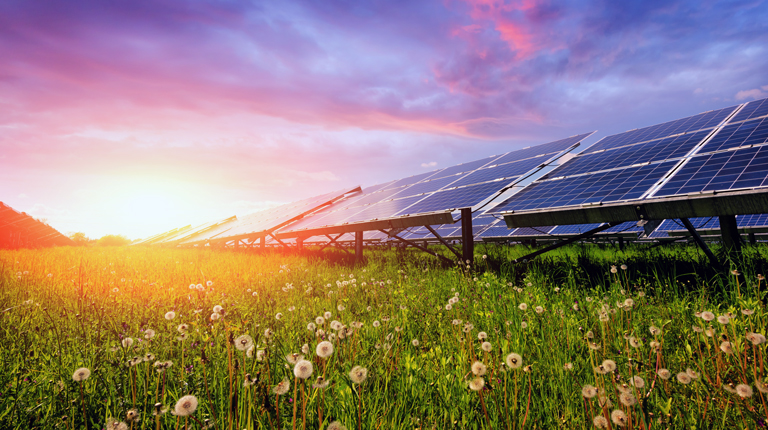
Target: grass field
{"points": [[584, 337]]}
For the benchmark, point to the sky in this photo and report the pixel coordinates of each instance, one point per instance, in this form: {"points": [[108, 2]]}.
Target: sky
{"points": [[136, 117]]}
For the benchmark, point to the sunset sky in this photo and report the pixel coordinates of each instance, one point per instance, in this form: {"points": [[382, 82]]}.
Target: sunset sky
{"points": [[135, 117]]}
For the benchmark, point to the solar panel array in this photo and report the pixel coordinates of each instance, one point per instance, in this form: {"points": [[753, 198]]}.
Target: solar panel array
{"points": [[724, 149], [19, 230], [461, 186]]}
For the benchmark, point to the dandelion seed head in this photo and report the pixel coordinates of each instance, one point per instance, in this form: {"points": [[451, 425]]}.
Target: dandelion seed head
{"points": [[324, 349], [243, 342], [513, 360], [600, 422], [476, 384], [664, 374], [707, 316], [282, 387], [415, 342], [744, 390], [127, 342], [588, 391], [358, 374], [81, 374], [185, 406], [683, 378], [486, 346], [303, 369], [478, 368]]}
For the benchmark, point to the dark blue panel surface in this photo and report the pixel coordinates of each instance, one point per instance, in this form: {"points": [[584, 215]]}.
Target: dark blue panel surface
{"points": [[625, 227], [532, 231], [753, 109], [614, 185], [498, 230], [745, 168], [550, 148], [758, 220], [574, 229], [454, 198], [692, 123], [663, 149], [742, 134], [509, 171]]}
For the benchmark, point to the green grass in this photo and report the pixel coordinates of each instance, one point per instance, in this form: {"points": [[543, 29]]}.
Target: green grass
{"points": [[66, 308]]}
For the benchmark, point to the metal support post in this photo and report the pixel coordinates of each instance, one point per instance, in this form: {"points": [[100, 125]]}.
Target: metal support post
{"points": [[358, 247], [467, 238], [729, 231]]}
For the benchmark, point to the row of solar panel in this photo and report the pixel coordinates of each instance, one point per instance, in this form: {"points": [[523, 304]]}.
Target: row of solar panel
{"points": [[724, 149], [720, 150]]}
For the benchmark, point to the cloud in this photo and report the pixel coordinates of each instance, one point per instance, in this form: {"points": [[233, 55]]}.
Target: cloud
{"points": [[754, 94], [430, 164]]}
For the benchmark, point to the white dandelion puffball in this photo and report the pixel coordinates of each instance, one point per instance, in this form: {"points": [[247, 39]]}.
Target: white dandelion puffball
{"points": [[324, 349], [127, 342], [243, 342], [218, 309], [487, 347], [477, 384], [358, 374], [185, 406], [514, 361], [170, 315], [81, 374], [303, 369], [478, 368], [149, 334]]}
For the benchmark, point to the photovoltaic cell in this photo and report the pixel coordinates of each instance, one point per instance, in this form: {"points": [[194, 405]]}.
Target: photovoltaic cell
{"points": [[550, 148], [498, 230], [454, 198], [625, 227], [574, 229], [614, 185], [382, 210], [532, 231], [465, 167], [753, 109], [692, 123], [427, 187], [664, 149], [759, 220], [744, 168], [753, 132], [412, 179], [500, 171]]}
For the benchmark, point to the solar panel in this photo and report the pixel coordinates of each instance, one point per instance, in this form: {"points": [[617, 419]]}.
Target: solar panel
{"points": [[574, 229], [754, 109], [262, 221], [497, 230], [456, 187], [648, 152], [754, 132], [614, 185], [721, 171], [702, 121], [625, 227], [748, 221], [532, 231]]}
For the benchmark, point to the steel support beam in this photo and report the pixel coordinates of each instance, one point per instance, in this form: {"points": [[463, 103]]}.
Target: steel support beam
{"points": [[417, 246], [567, 241], [699, 241], [443, 241]]}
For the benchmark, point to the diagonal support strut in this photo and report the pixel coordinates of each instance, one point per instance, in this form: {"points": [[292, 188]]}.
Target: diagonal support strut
{"points": [[567, 241], [416, 245]]}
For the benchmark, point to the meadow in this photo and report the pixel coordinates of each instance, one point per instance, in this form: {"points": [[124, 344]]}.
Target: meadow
{"points": [[584, 337]]}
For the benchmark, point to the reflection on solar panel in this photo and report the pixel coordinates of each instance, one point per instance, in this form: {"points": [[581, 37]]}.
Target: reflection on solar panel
{"points": [[461, 186], [186, 234], [747, 133], [721, 171], [613, 185], [532, 231], [747, 221], [754, 109], [673, 225], [574, 229], [19, 230], [265, 221], [658, 161], [702, 121]]}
